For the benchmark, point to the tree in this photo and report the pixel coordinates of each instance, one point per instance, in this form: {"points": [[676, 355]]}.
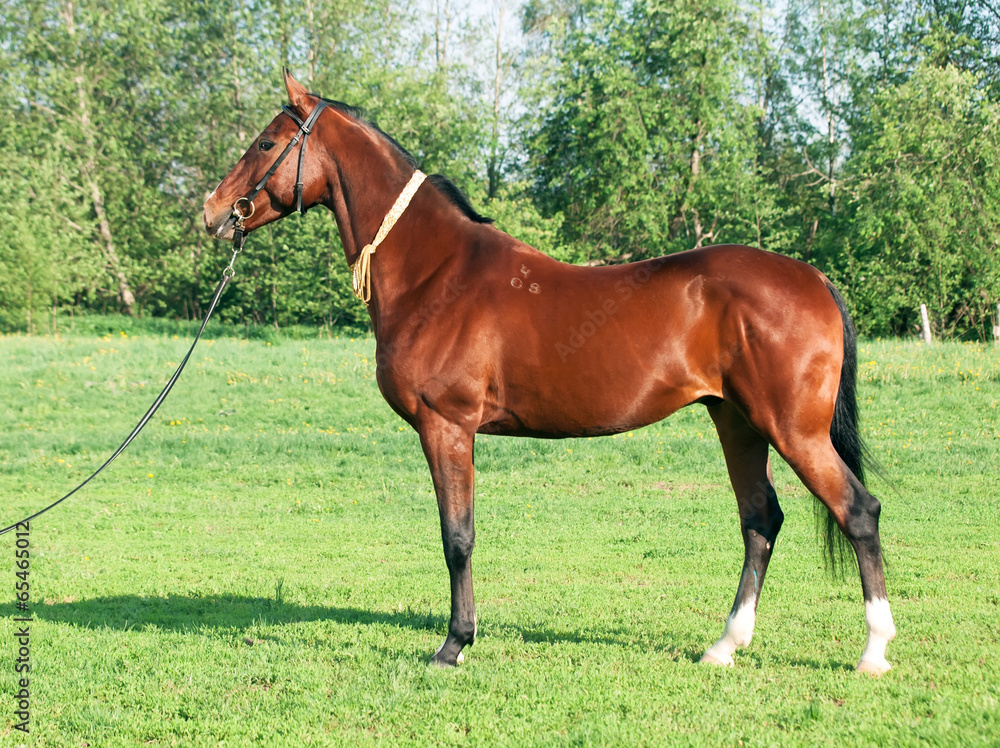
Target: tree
{"points": [[926, 207], [644, 144], [854, 134]]}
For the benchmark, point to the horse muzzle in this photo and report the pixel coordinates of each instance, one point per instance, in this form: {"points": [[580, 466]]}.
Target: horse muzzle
{"points": [[219, 224]]}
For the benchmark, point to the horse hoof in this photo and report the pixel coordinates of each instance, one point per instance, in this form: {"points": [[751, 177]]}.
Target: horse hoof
{"points": [[711, 659], [440, 662], [873, 668]]}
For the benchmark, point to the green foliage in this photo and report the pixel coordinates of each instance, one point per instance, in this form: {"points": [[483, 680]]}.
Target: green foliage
{"points": [[926, 199], [643, 146], [607, 130]]}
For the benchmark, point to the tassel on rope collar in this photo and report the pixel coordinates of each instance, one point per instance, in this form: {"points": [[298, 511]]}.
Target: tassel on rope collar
{"points": [[362, 268]]}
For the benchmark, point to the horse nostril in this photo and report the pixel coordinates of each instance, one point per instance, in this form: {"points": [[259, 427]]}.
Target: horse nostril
{"points": [[211, 225]]}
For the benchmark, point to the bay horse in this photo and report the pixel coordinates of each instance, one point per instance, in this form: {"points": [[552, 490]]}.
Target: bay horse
{"points": [[476, 332]]}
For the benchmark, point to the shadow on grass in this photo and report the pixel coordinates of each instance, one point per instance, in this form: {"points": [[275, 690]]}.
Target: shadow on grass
{"points": [[760, 662], [618, 637], [815, 664], [239, 613], [182, 613]]}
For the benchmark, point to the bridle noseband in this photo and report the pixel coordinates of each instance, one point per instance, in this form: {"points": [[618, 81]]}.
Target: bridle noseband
{"points": [[305, 128]]}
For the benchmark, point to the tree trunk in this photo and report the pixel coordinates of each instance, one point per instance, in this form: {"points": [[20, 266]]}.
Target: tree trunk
{"points": [[680, 218], [441, 35], [811, 239], [89, 175], [493, 167], [310, 43], [831, 133]]}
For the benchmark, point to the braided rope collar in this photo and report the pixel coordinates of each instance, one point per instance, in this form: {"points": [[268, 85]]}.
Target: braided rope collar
{"points": [[361, 269]]}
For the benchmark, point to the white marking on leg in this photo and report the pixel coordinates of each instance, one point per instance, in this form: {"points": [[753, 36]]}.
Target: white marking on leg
{"points": [[881, 631], [738, 633]]}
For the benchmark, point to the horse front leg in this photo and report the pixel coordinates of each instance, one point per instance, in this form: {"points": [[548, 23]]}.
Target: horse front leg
{"points": [[448, 448], [749, 468]]}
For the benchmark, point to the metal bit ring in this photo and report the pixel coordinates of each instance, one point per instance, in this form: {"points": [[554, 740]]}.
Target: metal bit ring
{"points": [[240, 215]]}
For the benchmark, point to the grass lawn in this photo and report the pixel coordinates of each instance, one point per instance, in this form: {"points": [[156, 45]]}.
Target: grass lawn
{"points": [[263, 565]]}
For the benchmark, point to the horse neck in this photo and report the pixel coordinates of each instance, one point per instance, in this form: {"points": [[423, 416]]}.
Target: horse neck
{"points": [[364, 177], [363, 188]]}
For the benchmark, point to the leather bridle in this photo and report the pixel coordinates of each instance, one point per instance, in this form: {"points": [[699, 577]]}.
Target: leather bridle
{"points": [[305, 128]]}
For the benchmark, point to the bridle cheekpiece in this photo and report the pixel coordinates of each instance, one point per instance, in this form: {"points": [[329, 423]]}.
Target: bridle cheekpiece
{"points": [[305, 128]]}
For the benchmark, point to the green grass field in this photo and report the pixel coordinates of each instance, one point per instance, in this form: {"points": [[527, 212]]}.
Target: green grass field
{"points": [[263, 566]]}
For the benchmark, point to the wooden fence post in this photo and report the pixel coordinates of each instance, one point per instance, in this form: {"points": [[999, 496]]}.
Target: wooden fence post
{"points": [[927, 323]]}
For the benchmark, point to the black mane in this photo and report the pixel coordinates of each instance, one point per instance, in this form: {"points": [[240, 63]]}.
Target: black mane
{"points": [[444, 185], [451, 191]]}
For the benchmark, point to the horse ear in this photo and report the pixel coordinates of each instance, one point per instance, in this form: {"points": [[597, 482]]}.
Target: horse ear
{"points": [[298, 97]]}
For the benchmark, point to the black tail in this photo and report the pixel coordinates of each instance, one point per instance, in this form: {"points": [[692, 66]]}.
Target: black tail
{"points": [[845, 436]]}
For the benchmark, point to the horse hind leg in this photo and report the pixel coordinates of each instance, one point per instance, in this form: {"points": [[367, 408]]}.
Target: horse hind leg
{"points": [[856, 512], [746, 453]]}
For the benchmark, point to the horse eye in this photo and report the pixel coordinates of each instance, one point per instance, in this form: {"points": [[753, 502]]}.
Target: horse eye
{"points": [[265, 145]]}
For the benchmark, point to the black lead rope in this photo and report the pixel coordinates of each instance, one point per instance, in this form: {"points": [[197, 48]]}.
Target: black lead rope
{"points": [[226, 276], [239, 236]]}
